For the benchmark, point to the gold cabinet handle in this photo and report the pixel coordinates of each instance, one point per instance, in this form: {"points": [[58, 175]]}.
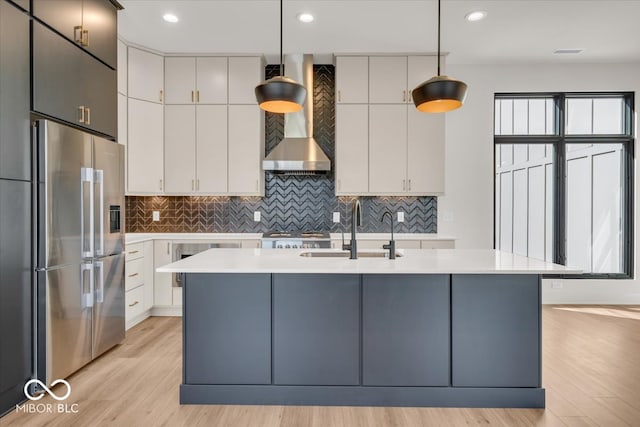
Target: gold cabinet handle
{"points": [[404, 95], [88, 110], [133, 275], [339, 97], [133, 252], [168, 248], [77, 34], [193, 96], [198, 185], [81, 110], [161, 185], [161, 95], [85, 38], [409, 185], [404, 185], [135, 303], [197, 96], [193, 185]]}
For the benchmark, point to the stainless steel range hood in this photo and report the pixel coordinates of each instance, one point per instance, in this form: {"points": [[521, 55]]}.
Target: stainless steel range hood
{"points": [[298, 152]]}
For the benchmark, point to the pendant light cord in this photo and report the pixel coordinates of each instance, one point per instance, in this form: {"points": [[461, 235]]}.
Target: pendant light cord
{"points": [[281, 58], [438, 37]]}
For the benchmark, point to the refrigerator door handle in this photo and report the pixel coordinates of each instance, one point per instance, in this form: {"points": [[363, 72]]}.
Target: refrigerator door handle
{"points": [[98, 177], [87, 289], [100, 291], [86, 177]]}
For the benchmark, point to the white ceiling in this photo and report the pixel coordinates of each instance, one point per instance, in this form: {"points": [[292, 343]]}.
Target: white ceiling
{"points": [[515, 31]]}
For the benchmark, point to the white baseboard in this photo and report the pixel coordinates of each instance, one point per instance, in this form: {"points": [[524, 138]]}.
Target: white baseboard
{"points": [[171, 311], [604, 292], [139, 318]]}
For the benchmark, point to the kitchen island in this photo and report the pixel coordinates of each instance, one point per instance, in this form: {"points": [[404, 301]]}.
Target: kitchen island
{"points": [[430, 328]]}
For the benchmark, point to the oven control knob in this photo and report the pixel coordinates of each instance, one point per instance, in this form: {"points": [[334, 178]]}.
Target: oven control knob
{"points": [[288, 246], [279, 246]]}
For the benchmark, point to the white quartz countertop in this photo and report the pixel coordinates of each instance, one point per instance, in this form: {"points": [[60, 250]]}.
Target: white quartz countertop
{"points": [[141, 237], [414, 261], [396, 236]]}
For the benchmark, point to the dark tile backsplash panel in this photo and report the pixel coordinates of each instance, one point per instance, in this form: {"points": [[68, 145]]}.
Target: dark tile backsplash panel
{"points": [[290, 202]]}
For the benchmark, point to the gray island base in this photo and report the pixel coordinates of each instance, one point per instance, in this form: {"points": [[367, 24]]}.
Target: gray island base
{"points": [[447, 340]]}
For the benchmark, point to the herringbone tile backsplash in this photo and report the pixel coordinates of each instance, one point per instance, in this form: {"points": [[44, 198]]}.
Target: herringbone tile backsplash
{"points": [[291, 203]]}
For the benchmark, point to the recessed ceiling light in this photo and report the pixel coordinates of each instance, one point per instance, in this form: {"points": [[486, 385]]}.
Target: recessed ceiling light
{"points": [[573, 51], [170, 17], [305, 17], [476, 15]]}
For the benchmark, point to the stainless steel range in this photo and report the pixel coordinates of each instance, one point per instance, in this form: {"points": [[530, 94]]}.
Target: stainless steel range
{"points": [[296, 240]]}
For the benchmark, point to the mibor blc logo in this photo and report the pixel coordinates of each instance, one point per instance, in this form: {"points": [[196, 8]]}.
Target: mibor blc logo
{"points": [[47, 408]]}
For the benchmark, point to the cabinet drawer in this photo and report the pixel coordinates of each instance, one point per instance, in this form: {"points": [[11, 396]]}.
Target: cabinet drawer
{"points": [[134, 303], [134, 251], [134, 273]]}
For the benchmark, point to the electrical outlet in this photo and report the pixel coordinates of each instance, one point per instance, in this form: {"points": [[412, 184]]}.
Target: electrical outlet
{"points": [[447, 216], [556, 284], [336, 217], [156, 215], [257, 216], [401, 216]]}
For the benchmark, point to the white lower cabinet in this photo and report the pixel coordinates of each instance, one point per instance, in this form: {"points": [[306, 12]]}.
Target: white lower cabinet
{"points": [[138, 281], [162, 282], [134, 300], [377, 244]]}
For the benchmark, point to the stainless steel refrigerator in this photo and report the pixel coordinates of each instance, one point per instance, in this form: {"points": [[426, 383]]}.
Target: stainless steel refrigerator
{"points": [[80, 253]]}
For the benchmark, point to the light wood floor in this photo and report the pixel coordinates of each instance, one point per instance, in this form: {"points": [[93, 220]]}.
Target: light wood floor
{"points": [[591, 371]]}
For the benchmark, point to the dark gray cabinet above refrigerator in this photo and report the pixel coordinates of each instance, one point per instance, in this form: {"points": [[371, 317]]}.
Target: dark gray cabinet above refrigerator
{"points": [[15, 129], [72, 86], [90, 24]]}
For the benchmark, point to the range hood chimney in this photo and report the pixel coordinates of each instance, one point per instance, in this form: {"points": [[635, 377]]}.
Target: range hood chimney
{"points": [[298, 152]]}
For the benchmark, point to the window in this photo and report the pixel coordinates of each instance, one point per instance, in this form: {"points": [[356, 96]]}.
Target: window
{"points": [[563, 179]]}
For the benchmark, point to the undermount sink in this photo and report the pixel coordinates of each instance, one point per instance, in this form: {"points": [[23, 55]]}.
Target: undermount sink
{"points": [[346, 255]]}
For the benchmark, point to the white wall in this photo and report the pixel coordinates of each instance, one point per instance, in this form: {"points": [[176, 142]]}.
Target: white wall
{"points": [[466, 211]]}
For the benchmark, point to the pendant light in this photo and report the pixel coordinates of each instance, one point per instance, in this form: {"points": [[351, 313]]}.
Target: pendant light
{"points": [[280, 94], [439, 94]]}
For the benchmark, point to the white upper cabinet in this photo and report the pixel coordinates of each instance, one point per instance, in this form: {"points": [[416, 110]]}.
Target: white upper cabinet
{"points": [[352, 82], [122, 68], [122, 119], [425, 153], [388, 80], [419, 70], [246, 150], [179, 149], [211, 80], [145, 75], [387, 149], [180, 80], [195, 149], [200, 80], [183, 135], [352, 147], [145, 148], [245, 73], [211, 149]]}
